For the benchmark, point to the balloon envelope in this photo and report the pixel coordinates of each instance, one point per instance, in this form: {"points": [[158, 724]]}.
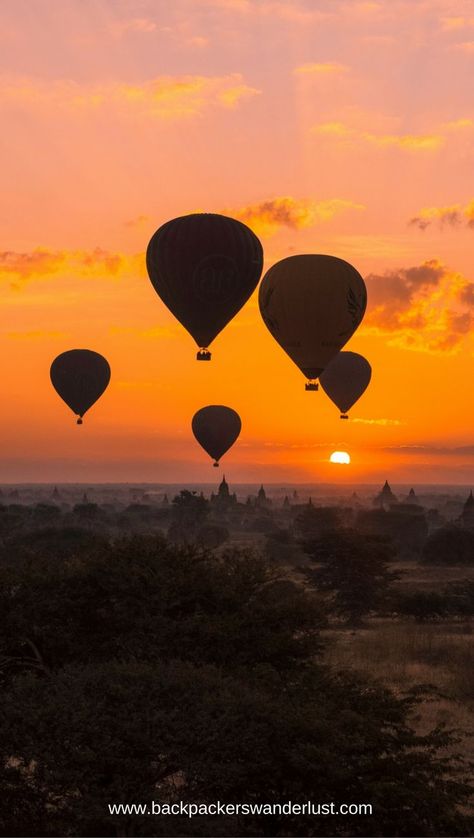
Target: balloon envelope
{"points": [[80, 376], [312, 304], [345, 378], [204, 267], [216, 428]]}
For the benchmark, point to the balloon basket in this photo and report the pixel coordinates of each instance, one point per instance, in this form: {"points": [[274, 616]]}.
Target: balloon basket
{"points": [[203, 355], [343, 416], [216, 464], [311, 385], [79, 421]]}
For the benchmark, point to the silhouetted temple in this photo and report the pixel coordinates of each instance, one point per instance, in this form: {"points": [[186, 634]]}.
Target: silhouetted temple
{"points": [[385, 499], [412, 498], [467, 516], [262, 500], [223, 497]]}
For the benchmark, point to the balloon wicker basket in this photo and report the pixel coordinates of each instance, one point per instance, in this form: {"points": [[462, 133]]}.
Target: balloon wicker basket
{"points": [[311, 385], [343, 416], [203, 355]]}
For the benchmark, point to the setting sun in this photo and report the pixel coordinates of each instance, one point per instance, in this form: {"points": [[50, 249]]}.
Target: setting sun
{"points": [[341, 457]]}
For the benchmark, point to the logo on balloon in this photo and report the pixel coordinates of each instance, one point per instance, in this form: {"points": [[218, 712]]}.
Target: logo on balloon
{"points": [[356, 307], [215, 279]]}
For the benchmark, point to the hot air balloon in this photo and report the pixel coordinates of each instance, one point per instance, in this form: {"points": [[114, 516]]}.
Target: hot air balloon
{"points": [[80, 376], [312, 304], [216, 428], [204, 267], [344, 380]]}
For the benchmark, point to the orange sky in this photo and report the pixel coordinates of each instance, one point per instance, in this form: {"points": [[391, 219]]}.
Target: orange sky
{"points": [[333, 127]]}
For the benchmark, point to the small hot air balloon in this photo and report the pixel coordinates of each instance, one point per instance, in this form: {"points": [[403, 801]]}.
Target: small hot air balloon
{"points": [[216, 428], [344, 380], [80, 376], [204, 267], [312, 304]]}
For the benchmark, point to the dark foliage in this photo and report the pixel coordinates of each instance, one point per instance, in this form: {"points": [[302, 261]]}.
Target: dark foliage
{"points": [[353, 569], [450, 545], [146, 599], [142, 672], [212, 536]]}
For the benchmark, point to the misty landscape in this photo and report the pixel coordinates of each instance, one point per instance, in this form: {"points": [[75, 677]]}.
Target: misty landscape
{"points": [[122, 598]]}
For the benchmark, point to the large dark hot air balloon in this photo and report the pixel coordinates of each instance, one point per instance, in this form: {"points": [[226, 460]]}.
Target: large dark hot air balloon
{"points": [[216, 428], [344, 380], [312, 304], [80, 376], [204, 267]]}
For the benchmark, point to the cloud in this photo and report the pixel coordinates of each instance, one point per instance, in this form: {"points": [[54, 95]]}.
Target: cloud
{"points": [[463, 450], [198, 41], [406, 142], [118, 28], [425, 308], [164, 97], [231, 96], [38, 333], [138, 221], [452, 216], [41, 263], [383, 422], [450, 24], [457, 124], [465, 46], [267, 217], [291, 10], [329, 68]]}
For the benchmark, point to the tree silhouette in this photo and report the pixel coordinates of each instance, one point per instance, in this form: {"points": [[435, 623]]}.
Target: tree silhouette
{"points": [[353, 569]]}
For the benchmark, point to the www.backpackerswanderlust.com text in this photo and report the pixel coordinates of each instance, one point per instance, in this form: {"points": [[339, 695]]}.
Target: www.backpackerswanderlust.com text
{"points": [[191, 810]]}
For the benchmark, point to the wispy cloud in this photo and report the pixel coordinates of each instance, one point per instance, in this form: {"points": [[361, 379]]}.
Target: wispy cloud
{"points": [[383, 422], [119, 28], [164, 97], [291, 11], [455, 23], [35, 334], [465, 46], [454, 451], [456, 215], [406, 142], [267, 217], [138, 221], [328, 68]]}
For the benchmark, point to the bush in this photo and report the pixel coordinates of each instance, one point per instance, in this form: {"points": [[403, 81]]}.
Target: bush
{"points": [[423, 605], [449, 545], [212, 536]]}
